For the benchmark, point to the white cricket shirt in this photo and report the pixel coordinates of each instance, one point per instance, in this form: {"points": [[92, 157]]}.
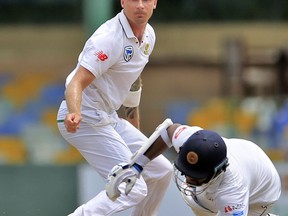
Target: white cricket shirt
{"points": [[116, 58], [249, 182]]}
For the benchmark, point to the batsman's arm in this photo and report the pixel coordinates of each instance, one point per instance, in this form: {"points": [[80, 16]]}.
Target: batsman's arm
{"points": [[159, 146], [156, 144], [131, 104]]}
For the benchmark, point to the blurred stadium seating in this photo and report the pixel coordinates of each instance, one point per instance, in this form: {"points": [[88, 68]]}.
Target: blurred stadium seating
{"points": [[28, 128], [266, 124]]}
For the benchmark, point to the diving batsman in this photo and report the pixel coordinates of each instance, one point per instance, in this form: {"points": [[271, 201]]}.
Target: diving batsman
{"points": [[215, 175]]}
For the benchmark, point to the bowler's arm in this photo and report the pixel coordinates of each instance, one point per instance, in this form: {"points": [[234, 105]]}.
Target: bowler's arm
{"points": [[131, 107]]}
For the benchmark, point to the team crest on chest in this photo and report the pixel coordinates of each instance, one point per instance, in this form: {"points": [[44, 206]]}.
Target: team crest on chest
{"points": [[146, 51], [128, 53]]}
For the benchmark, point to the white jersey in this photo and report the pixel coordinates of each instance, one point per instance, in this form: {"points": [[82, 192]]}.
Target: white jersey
{"points": [[249, 185], [116, 58]]}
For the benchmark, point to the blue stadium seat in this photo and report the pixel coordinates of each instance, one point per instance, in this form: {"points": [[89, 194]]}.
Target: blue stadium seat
{"points": [[52, 94]]}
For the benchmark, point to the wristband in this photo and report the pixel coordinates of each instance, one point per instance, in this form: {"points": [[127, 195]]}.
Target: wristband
{"points": [[133, 98]]}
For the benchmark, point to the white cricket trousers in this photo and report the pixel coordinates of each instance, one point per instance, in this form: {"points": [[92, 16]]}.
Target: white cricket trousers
{"points": [[106, 142]]}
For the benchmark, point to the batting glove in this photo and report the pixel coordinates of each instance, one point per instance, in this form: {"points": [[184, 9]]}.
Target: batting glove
{"points": [[121, 173]]}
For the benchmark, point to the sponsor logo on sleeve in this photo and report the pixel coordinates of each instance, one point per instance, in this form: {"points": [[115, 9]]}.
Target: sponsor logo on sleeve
{"points": [[101, 56], [236, 209], [179, 132], [240, 213], [128, 53]]}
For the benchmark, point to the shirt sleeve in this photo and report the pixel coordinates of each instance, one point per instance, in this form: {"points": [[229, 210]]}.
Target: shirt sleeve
{"points": [[98, 55], [234, 201]]}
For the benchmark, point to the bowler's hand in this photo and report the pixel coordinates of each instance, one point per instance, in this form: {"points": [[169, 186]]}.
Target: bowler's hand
{"points": [[72, 122], [121, 173]]}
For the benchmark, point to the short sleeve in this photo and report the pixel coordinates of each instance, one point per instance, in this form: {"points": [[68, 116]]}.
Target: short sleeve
{"points": [[233, 197], [98, 55]]}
